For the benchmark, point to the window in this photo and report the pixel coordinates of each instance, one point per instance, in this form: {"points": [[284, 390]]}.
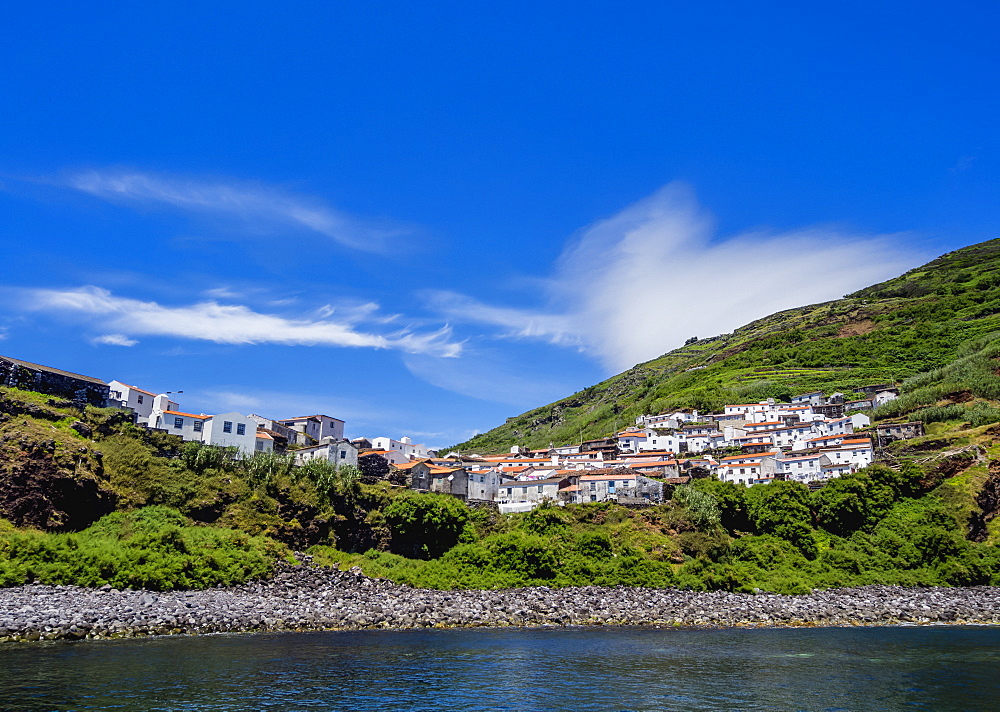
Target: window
{"points": [[227, 426], [178, 422], [241, 429], [198, 426], [140, 399], [343, 454], [539, 488], [260, 445]]}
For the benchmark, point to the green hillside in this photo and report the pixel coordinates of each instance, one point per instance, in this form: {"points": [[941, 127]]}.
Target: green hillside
{"points": [[890, 332]]}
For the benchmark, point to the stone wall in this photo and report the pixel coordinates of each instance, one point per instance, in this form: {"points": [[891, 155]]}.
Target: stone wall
{"points": [[28, 377]]}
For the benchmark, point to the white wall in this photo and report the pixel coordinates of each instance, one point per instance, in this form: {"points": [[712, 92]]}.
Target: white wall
{"points": [[242, 431], [191, 426]]}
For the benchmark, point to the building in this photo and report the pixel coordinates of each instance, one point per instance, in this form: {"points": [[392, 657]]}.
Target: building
{"points": [[803, 468], [264, 441], [747, 469], [231, 430], [28, 376], [313, 428], [534, 491], [139, 401], [404, 445], [337, 452], [188, 426], [887, 432], [485, 484], [282, 434], [618, 486]]}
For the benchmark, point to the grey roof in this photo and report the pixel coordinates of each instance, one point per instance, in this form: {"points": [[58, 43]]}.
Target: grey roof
{"points": [[39, 367]]}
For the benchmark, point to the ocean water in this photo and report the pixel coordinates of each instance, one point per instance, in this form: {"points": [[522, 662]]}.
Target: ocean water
{"points": [[923, 668]]}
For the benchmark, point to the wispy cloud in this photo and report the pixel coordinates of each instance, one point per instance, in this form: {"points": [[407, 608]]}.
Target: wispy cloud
{"points": [[114, 340], [230, 324], [251, 203], [635, 285]]}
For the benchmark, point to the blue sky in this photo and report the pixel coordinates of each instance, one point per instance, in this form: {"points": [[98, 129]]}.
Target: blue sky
{"points": [[425, 217]]}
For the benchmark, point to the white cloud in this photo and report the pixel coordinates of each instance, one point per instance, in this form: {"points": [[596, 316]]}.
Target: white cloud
{"points": [[114, 340], [222, 293], [231, 324], [635, 285], [261, 205]]}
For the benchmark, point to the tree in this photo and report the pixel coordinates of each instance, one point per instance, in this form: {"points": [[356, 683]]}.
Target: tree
{"points": [[731, 500], [782, 508], [424, 526]]}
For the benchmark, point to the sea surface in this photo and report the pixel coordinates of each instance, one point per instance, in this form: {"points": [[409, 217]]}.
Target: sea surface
{"points": [[923, 668]]}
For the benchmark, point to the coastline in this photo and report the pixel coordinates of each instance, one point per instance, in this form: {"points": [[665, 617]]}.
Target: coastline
{"points": [[307, 598]]}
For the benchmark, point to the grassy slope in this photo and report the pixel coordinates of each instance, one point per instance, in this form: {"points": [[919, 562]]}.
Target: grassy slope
{"points": [[885, 333]]}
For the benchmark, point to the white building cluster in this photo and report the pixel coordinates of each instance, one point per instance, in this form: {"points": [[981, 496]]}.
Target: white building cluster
{"points": [[807, 440]]}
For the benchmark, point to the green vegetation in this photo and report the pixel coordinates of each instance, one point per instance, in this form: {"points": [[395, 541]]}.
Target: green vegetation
{"points": [[877, 526], [154, 548]]}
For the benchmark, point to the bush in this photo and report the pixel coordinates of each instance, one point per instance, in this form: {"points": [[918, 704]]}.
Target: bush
{"points": [[424, 526], [153, 548]]}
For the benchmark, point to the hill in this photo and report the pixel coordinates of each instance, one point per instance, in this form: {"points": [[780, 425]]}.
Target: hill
{"points": [[890, 332]]}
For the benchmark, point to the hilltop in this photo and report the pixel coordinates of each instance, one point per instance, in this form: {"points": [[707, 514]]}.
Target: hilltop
{"points": [[886, 333]]}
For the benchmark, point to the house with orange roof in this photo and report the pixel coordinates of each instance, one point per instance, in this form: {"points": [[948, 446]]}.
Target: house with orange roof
{"points": [[264, 441], [854, 451], [404, 445], [224, 429], [189, 426], [282, 433], [630, 441], [660, 468], [139, 400]]}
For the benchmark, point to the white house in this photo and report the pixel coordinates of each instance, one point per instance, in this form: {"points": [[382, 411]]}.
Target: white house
{"points": [[263, 442], [231, 430], [855, 452], [803, 468], [189, 426], [814, 398], [338, 452], [860, 421], [404, 445], [883, 397], [631, 441], [142, 402], [747, 469]]}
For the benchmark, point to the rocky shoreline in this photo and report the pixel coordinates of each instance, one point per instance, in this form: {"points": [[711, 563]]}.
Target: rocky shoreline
{"points": [[300, 598]]}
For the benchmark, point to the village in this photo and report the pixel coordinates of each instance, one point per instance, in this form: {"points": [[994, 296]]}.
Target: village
{"points": [[812, 439]]}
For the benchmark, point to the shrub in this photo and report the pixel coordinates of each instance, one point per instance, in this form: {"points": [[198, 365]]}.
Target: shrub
{"points": [[153, 548], [424, 525]]}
